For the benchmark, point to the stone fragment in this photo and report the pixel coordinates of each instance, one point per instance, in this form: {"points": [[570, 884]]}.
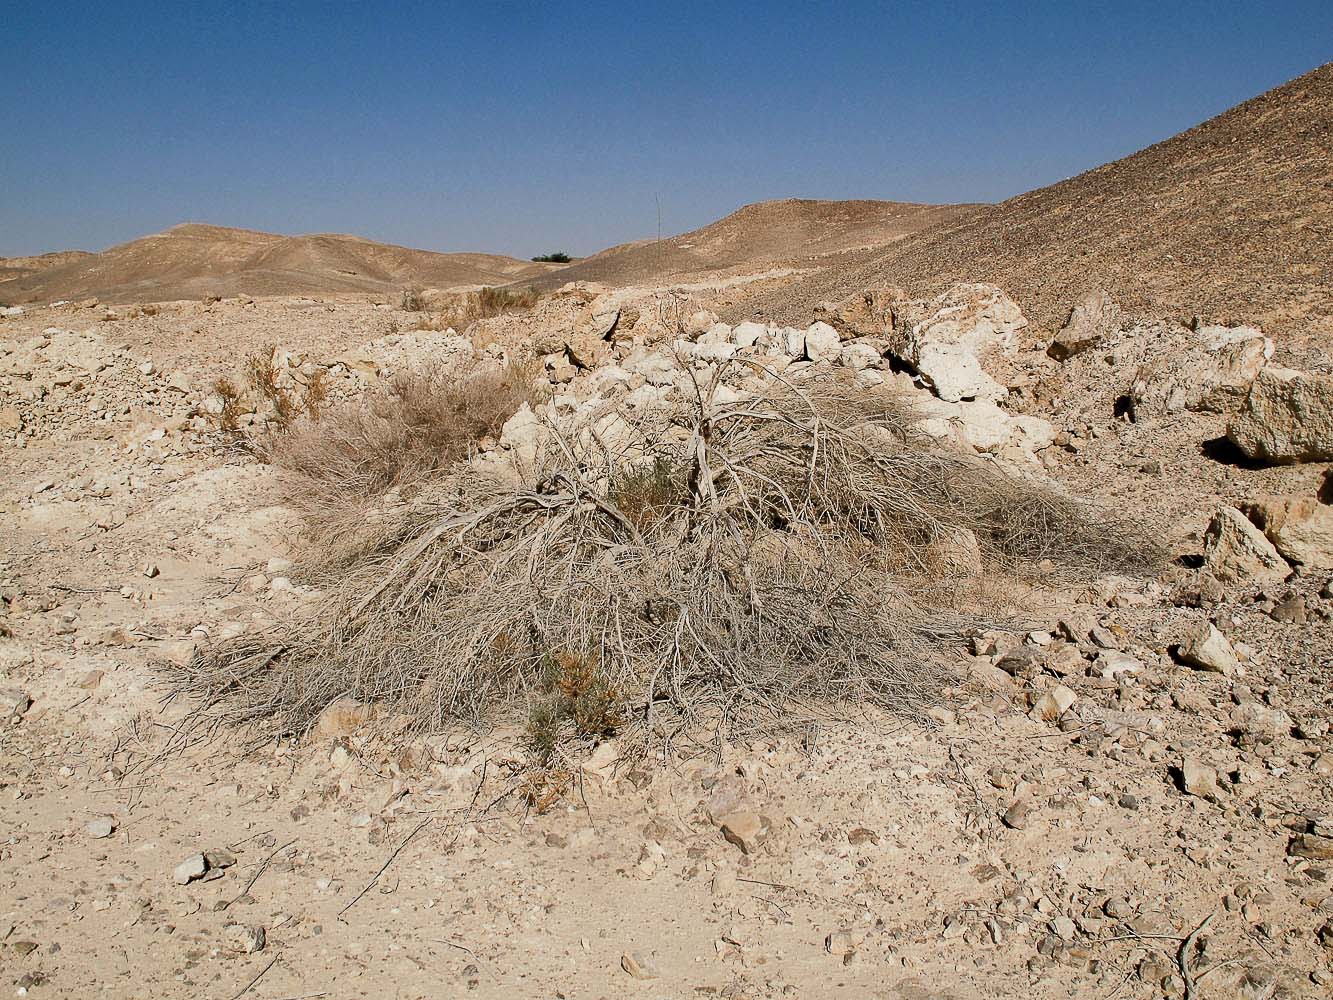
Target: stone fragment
{"points": [[191, 868], [1199, 780], [842, 942], [727, 795], [13, 702], [100, 828], [1019, 814], [1259, 720], [1300, 528], [1205, 648], [1312, 846], [822, 343], [343, 717], [637, 966], [746, 830], [1093, 319], [1054, 703], [246, 938], [1235, 551]]}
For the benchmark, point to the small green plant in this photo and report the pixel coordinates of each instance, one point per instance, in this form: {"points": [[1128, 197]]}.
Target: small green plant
{"points": [[558, 257], [578, 701], [578, 695], [543, 733]]}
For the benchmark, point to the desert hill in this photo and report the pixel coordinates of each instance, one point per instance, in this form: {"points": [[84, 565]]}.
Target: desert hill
{"points": [[192, 260], [764, 234], [1232, 220], [22, 267]]}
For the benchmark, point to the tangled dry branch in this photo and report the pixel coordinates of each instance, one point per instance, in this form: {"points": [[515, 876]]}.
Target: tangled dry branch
{"points": [[726, 559]]}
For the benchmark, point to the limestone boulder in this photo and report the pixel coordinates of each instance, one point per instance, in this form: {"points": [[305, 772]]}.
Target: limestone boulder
{"points": [[822, 343], [1300, 528], [866, 314], [1287, 416], [949, 339]]}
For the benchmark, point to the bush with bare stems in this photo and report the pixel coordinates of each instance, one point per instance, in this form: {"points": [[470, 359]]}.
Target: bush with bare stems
{"points": [[720, 559]]}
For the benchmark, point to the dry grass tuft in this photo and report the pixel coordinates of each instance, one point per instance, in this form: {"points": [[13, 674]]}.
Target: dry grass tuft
{"points": [[461, 309], [712, 560], [346, 458]]}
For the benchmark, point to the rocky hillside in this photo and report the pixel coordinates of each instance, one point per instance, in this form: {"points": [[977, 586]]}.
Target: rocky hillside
{"points": [[793, 231], [1232, 220], [191, 261], [23, 267]]}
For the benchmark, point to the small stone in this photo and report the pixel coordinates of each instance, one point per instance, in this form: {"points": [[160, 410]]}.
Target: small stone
{"points": [[1054, 703], [343, 717], [1312, 846], [1208, 649], [219, 858], [150, 570], [246, 938], [724, 882], [1199, 780], [1017, 816], [1117, 908], [942, 715], [747, 830], [100, 828], [637, 966], [1113, 664], [1103, 638], [190, 869], [13, 702], [841, 943]]}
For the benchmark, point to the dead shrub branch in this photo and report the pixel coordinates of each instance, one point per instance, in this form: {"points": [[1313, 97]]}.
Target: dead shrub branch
{"points": [[721, 560]]}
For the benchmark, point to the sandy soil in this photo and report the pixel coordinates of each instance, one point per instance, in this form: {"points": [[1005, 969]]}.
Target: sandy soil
{"points": [[979, 852]]}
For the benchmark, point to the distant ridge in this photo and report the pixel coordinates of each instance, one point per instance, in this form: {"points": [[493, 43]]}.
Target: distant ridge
{"points": [[193, 260], [762, 235]]}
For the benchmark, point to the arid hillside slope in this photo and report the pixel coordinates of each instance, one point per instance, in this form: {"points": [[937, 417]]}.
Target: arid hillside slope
{"points": [[22, 267], [192, 260], [766, 234], [1232, 220]]}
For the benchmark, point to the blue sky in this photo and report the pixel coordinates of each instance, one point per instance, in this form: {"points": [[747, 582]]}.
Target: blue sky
{"points": [[526, 127]]}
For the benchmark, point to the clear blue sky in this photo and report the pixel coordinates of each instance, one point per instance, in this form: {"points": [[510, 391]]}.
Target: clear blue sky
{"points": [[526, 127]]}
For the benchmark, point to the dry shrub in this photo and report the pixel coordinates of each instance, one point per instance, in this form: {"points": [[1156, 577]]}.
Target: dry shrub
{"points": [[228, 418], [315, 395], [263, 373], [786, 561], [465, 308], [410, 300], [344, 459]]}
